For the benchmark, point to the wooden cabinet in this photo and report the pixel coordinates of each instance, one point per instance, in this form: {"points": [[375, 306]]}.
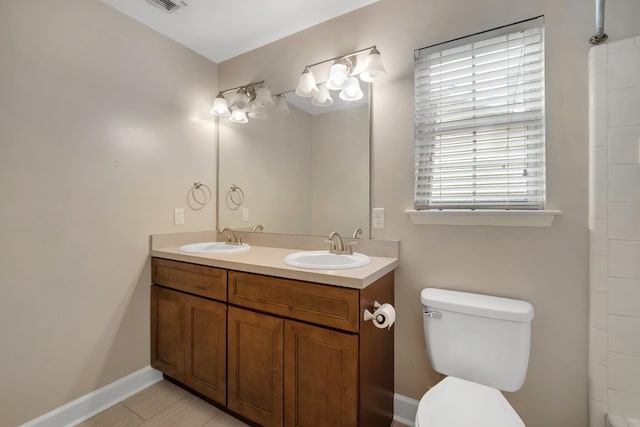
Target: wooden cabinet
{"points": [[188, 332], [321, 377], [167, 332], [255, 351], [275, 351], [206, 347]]}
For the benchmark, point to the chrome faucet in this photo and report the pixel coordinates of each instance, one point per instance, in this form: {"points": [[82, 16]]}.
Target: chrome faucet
{"points": [[257, 228], [232, 239], [336, 245]]}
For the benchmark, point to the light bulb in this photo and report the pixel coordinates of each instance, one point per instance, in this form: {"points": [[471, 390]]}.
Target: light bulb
{"points": [[352, 91], [373, 67], [323, 97], [238, 116], [338, 76], [263, 96], [220, 107], [240, 102], [306, 84]]}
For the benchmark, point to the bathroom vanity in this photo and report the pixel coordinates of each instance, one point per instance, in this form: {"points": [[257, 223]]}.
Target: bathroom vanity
{"points": [[276, 345]]}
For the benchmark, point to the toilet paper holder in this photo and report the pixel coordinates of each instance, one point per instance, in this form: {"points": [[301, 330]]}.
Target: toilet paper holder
{"points": [[370, 316], [383, 315]]}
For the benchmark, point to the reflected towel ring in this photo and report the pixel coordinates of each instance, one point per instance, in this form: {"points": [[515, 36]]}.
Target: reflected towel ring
{"points": [[235, 197], [199, 195]]}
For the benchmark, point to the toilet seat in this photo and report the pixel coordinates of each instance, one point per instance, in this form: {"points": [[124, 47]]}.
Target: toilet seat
{"points": [[455, 402]]}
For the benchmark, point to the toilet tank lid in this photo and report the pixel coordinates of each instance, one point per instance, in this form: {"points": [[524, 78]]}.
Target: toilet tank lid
{"points": [[477, 304]]}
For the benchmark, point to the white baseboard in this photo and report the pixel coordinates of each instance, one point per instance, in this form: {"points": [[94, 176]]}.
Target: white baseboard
{"points": [[404, 409], [97, 401]]}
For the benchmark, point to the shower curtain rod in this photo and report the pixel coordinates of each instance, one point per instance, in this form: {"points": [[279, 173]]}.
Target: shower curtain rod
{"points": [[599, 36]]}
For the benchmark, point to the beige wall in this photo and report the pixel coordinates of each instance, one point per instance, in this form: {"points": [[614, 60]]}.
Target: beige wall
{"points": [[273, 172], [103, 128], [548, 267], [340, 172]]}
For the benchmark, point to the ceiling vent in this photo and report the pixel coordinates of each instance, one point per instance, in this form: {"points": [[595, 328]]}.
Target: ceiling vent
{"points": [[167, 5]]}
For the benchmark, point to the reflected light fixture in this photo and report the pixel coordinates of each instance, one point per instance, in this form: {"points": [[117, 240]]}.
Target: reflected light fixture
{"points": [[250, 100], [323, 97], [238, 117], [342, 77], [282, 107], [240, 102], [351, 91]]}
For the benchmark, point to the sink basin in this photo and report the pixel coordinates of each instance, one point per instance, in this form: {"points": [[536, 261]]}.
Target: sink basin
{"points": [[213, 248], [324, 260]]}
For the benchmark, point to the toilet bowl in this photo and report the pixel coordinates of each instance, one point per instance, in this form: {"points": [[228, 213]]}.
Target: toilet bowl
{"points": [[461, 403], [482, 343]]}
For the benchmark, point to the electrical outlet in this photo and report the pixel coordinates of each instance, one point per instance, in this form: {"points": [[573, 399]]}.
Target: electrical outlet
{"points": [[377, 218], [245, 214], [178, 216]]}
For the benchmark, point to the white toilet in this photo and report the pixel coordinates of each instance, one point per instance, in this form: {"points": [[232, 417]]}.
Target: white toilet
{"points": [[482, 344]]}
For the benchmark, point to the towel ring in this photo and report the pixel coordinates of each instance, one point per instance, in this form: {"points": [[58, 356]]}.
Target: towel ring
{"points": [[199, 195], [234, 197]]}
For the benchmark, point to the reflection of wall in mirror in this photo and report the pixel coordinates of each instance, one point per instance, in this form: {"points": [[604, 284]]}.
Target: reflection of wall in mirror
{"points": [[340, 171], [270, 160]]}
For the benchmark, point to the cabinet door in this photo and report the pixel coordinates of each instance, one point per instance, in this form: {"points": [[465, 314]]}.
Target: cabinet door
{"points": [[321, 381], [255, 366], [206, 347], [167, 326]]}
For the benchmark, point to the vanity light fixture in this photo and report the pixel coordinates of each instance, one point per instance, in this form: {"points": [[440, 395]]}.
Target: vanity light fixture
{"points": [[341, 77], [238, 117], [220, 107], [351, 90], [307, 84], [250, 100], [282, 107], [323, 97]]}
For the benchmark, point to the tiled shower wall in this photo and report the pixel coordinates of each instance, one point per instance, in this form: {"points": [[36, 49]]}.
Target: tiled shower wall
{"points": [[614, 222]]}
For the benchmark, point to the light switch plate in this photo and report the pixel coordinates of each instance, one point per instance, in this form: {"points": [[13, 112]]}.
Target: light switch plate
{"points": [[377, 218], [245, 214], [178, 216]]}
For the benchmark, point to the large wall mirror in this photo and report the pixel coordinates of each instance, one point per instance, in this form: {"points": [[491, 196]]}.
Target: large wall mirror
{"points": [[306, 172]]}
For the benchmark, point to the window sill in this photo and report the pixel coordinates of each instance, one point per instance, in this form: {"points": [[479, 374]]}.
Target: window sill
{"points": [[496, 218]]}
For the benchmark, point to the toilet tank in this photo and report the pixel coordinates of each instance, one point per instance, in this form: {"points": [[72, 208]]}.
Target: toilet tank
{"points": [[480, 338]]}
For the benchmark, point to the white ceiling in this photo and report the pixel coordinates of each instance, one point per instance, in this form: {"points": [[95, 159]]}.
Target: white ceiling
{"points": [[220, 30]]}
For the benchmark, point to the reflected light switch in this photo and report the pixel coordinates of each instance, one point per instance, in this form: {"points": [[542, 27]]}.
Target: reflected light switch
{"points": [[377, 218]]}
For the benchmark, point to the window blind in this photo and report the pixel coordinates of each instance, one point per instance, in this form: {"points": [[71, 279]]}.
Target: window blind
{"points": [[479, 121]]}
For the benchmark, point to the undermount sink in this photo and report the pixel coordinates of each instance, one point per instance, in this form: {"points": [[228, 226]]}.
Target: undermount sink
{"points": [[213, 248], [324, 260]]}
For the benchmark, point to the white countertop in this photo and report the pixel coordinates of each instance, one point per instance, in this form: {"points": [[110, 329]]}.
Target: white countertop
{"points": [[270, 261]]}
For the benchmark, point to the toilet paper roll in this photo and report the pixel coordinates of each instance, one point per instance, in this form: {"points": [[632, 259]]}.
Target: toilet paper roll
{"points": [[384, 316]]}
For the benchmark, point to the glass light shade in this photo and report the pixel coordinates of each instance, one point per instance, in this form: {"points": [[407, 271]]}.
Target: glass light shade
{"points": [[373, 67], [240, 102], [306, 84], [352, 92], [282, 107], [220, 107], [323, 97], [338, 76], [263, 96], [238, 116], [258, 111]]}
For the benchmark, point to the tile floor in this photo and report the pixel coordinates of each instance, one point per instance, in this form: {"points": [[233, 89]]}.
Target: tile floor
{"points": [[165, 405]]}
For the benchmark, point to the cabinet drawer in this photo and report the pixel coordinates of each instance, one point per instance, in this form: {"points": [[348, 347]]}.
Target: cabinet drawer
{"points": [[195, 279], [325, 305]]}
